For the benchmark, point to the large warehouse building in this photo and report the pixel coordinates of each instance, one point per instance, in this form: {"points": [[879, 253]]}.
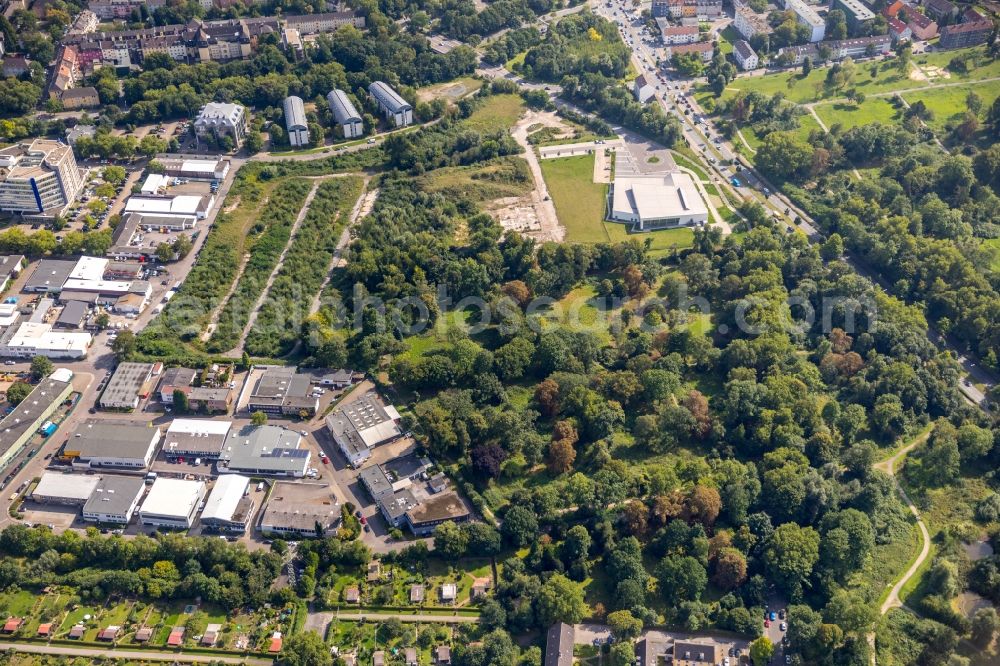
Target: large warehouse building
{"points": [[68, 489], [362, 424], [229, 507], [264, 451], [195, 438], [300, 508], [172, 503], [128, 385], [109, 443], [114, 500], [18, 427], [657, 201]]}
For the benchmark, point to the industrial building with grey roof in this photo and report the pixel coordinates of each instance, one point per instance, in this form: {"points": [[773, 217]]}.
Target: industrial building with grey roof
{"points": [[126, 385], [264, 450], [282, 391], [297, 508], [101, 443], [115, 499]]}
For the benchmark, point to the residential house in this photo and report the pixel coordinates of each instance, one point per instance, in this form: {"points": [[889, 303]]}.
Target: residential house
{"points": [[965, 34], [442, 654], [942, 10], [680, 34], [703, 49], [749, 23], [643, 89], [80, 98], [109, 633], [745, 56], [15, 66], [899, 31], [922, 26]]}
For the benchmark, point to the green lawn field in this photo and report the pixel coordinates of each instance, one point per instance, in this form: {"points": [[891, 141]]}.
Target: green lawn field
{"points": [[499, 112], [580, 202], [925, 70], [948, 104], [847, 115]]}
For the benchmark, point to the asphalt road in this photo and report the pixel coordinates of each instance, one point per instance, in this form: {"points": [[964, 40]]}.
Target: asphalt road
{"points": [[138, 655]]}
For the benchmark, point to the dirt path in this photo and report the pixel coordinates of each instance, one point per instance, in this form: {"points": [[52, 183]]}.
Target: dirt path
{"points": [[362, 207], [889, 467], [540, 199], [238, 349]]}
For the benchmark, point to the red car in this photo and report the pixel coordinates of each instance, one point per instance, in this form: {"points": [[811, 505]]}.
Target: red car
{"points": [[767, 623], [326, 461], [364, 521]]}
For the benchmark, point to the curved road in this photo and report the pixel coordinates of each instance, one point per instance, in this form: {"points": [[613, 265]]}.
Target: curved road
{"points": [[889, 467]]}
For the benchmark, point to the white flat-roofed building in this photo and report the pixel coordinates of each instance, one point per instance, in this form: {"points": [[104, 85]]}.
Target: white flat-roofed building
{"points": [[345, 114], [194, 168], [185, 205], [657, 201], [391, 104], [89, 268], [155, 183], [114, 500], [295, 121], [362, 424], [9, 314], [229, 506], [172, 503], [69, 489], [197, 438], [28, 339]]}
